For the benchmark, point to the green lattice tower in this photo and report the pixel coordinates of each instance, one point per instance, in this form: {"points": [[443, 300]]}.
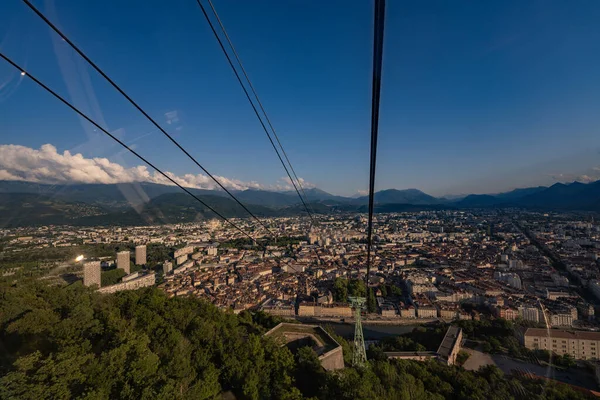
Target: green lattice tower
{"points": [[359, 358]]}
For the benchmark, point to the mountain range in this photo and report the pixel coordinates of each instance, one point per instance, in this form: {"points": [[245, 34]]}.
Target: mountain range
{"points": [[27, 203]]}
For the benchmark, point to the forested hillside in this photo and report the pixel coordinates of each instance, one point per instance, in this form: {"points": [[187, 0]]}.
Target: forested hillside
{"points": [[68, 342]]}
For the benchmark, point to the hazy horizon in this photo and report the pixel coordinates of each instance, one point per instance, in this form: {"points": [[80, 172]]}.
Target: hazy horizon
{"points": [[48, 166]]}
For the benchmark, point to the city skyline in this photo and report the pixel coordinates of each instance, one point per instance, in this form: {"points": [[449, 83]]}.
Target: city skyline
{"points": [[476, 99]]}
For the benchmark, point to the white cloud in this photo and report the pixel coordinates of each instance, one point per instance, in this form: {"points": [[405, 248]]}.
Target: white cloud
{"points": [[7, 176], [172, 117], [583, 178], [586, 178], [47, 165], [362, 192], [288, 184]]}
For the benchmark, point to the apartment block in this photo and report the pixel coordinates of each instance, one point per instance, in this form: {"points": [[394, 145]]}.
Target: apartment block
{"points": [[581, 345]]}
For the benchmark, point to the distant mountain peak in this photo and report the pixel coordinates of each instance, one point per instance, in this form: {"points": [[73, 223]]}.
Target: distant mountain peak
{"points": [[558, 184], [409, 190], [400, 196], [118, 197]]}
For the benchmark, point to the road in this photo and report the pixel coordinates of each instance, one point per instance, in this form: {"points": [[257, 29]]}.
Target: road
{"points": [[557, 263]]}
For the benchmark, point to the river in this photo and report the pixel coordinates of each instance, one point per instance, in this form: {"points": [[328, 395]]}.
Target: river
{"points": [[370, 332]]}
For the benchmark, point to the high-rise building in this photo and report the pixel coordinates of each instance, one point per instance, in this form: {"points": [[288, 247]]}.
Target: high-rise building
{"points": [[91, 273], [140, 254], [123, 261], [167, 267]]}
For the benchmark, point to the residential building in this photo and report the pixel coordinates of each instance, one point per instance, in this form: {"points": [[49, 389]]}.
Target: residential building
{"points": [[183, 251], [181, 259], [145, 280], [506, 312], [306, 309], [407, 311], [140, 255], [123, 261], [561, 319], [581, 345], [427, 312], [530, 313], [167, 267], [92, 273]]}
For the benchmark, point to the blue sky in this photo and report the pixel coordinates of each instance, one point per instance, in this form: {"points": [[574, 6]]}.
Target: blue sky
{"points": [[477, 96]]}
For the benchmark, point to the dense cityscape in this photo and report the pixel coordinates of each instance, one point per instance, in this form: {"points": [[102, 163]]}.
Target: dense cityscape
{"points": [[538, 267]]}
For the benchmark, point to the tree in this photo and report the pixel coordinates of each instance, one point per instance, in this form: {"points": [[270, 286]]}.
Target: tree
{"points": [[496, 345], [357, 288], [371, 301], [396, 291], [340, 290], [383, 290], [565, 361], [462, 357], [71, 342], [111, 277], [486, 347], [309, 374]]}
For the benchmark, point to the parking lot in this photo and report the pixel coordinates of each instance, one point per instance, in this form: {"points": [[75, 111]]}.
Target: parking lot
{"points": [[574, 376]]}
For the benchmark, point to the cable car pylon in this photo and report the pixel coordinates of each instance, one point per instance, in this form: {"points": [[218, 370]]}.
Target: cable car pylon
{"points": [[359, 356]]}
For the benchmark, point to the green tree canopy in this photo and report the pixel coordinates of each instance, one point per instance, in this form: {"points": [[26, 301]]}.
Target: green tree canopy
{"points": [[71, 342]]}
